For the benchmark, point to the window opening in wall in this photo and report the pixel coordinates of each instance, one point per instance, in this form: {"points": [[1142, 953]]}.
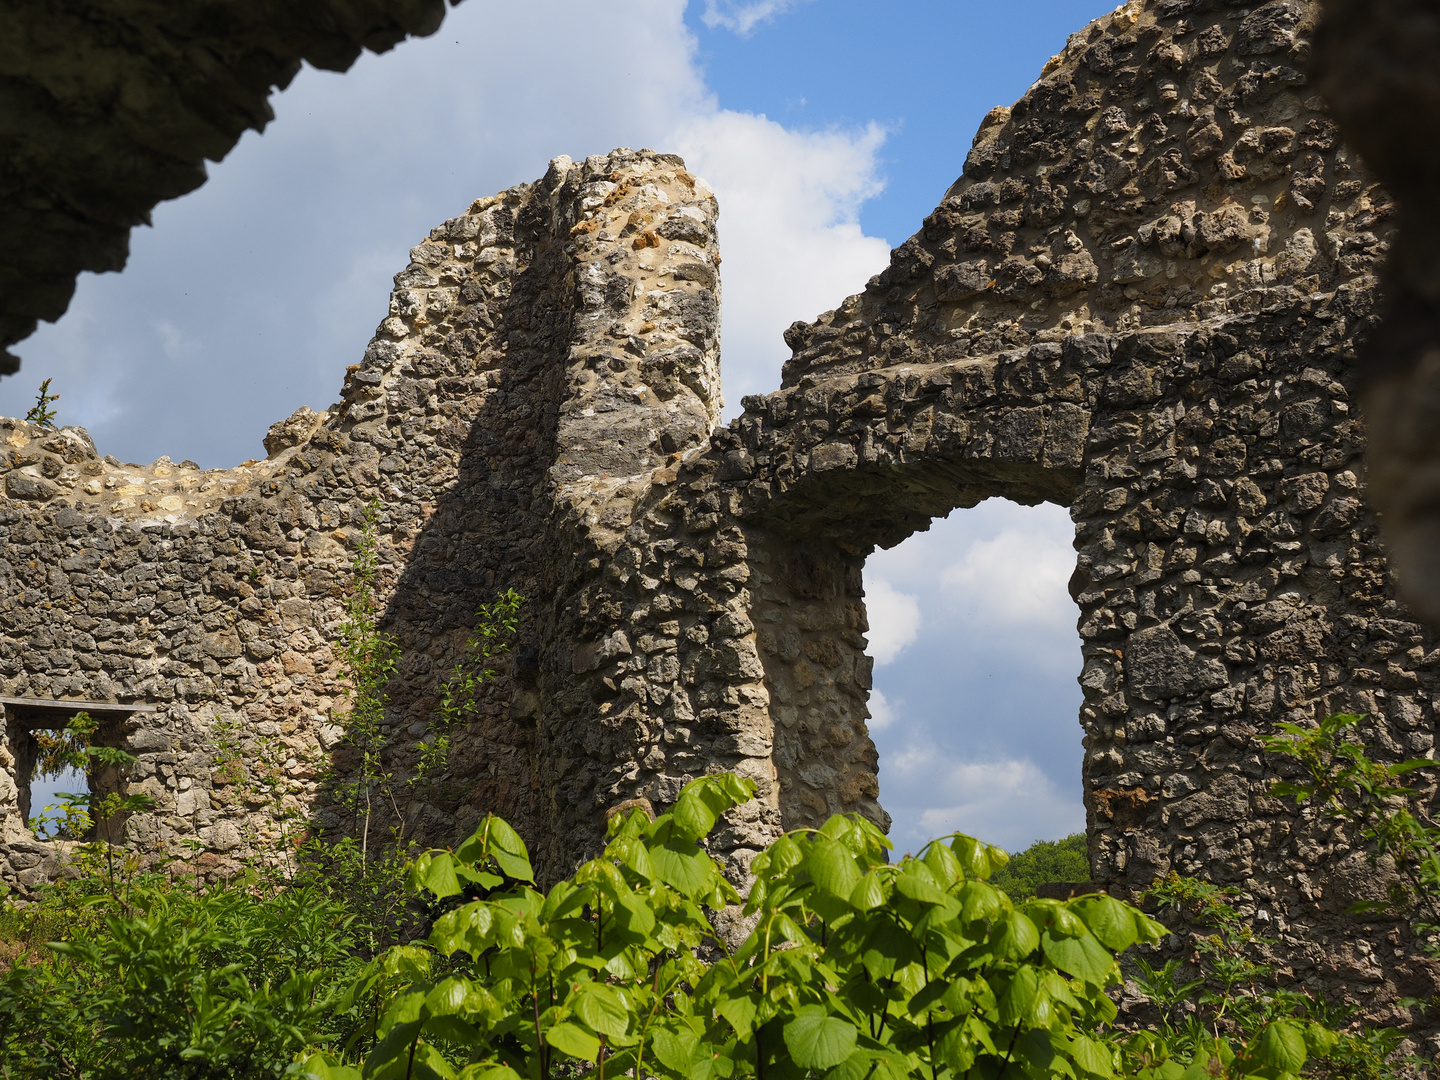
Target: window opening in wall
{"points": [[39, 736], [975, 706]]}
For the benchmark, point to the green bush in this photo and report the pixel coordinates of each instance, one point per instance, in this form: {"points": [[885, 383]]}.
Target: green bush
{"points": [[1041, 863], [178, 982], [852, 968], [856, 968]]}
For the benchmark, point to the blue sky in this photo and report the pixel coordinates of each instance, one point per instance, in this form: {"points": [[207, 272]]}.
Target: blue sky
{"points": [[926, 70], [828, 128]]}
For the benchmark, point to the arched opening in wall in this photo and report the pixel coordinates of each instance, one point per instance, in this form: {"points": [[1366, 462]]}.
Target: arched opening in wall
{"points": [[975, 704], [47, 758]]}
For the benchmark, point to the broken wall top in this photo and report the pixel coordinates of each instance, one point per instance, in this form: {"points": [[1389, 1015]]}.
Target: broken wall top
{"points": [[113, 107], [1171, 166]]}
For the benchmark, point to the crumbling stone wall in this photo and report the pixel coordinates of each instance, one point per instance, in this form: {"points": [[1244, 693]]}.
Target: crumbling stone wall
{"points": [[1140, 301], [111, 106], [542, 349]]}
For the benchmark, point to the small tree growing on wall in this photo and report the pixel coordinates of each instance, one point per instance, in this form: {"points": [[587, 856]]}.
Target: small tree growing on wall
{"points": [[369, 659], [41, 413]]}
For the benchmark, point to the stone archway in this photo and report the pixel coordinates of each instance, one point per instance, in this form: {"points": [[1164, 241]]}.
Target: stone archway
{"points": [[908, 458]]}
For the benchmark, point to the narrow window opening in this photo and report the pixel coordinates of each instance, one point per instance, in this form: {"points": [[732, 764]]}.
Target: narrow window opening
{"points": [[51, 761], [975, 706]]}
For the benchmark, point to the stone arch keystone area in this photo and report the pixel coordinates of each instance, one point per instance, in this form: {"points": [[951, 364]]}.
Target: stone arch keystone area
{"points": [[1140, 301]]}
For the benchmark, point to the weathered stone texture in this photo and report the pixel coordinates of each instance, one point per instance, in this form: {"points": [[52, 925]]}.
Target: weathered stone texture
{"points": [[541, 348], [1141, 301], [108, 108]]}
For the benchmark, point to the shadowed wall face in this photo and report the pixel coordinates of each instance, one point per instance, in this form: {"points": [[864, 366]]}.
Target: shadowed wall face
{"points": [[540, 349], [1140, 302], [114, 106]]}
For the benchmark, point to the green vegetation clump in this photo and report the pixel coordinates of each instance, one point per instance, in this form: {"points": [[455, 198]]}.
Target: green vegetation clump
{"points": [[1041, 863], [353, 960], [41, 413], [854, 968]]}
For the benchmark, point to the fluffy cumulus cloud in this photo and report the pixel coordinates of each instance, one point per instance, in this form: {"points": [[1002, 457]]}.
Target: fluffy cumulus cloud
{"points": [[894, 619], [789, 237], [1017, 577], [973, 629], [249, 297], [1007, 801], [743, 17]]}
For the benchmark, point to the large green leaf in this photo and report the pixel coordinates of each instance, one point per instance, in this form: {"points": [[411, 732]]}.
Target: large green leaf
{"points": [[388, 1057], [817, 1040], [602, 1008], [632, 853], [428, 1063], [1014, 936], [1065, 923], [1035, 1050], [740, 1009], [507, 849], [683, 866], [633, 914], [869, 1063], [678, 1050], [435, 871], [1083, 956], [916, 882], [832, 867], [702, 801], [574, 1040], [956, 1049], [1281, 1046], [869, 892], [888, 946], [1117, 925], [1092, 1056], [783, 855], [449, 998], [692, 817], [979, 900], [943, 863]]}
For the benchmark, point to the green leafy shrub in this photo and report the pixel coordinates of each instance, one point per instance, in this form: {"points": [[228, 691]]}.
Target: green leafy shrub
{"points": [[1392, 819], [1042, 862], [855, 968], [170, 980], [1227, 986]]}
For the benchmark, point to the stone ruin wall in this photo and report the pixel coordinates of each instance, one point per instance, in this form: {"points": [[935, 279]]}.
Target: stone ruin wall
{"points": [[113, 106], [1141, 301]]}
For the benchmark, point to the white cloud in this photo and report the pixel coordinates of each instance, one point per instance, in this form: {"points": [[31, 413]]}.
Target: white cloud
{"points": [[275, 273], [894, 620], [789, 236], [175, 343], [883, 713], [1004, 801], [743, 17], [1018, 577]]}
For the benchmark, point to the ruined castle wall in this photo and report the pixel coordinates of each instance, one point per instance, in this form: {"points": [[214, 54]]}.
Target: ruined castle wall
{"points": [[1164, 253], [1141, 301], [115, 105], [540, 349]]}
